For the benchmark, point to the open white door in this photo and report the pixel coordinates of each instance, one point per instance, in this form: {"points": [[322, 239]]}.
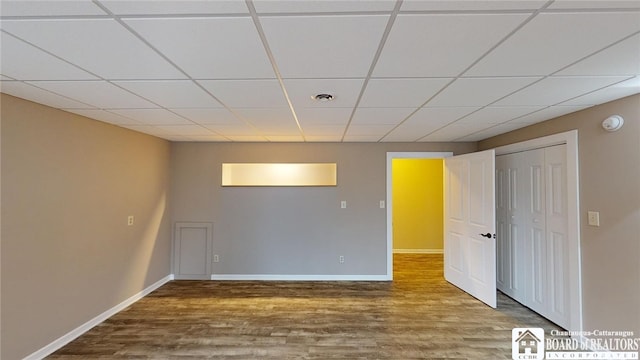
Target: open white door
{"points": [[469, 224]]}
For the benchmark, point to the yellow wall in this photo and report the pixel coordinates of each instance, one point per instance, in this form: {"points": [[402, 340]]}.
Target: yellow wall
{"points": [[417, 204]]}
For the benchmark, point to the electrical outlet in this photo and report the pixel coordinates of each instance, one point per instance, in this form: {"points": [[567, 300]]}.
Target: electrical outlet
{"points": [[216, 258], [341, 259], [130, 220]]}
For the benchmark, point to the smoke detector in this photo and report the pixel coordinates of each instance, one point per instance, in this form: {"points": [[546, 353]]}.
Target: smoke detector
{"points": [[613, 123]]}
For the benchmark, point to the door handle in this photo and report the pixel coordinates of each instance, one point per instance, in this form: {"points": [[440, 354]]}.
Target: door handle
{"points": [[488, 235]]}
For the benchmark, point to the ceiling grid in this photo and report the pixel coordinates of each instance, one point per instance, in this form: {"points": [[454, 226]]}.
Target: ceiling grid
{"points": [[248, 70]]}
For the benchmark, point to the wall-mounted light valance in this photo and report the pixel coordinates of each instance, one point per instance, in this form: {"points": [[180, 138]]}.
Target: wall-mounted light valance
{"points": [[279, 174]]}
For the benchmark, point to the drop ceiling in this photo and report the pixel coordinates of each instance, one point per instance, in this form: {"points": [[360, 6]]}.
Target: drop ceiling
{"points": [[399, 71]]}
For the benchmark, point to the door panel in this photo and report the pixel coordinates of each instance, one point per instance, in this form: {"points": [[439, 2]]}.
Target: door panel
{"points": [[470, 259], [556, 233], [192, 251]]}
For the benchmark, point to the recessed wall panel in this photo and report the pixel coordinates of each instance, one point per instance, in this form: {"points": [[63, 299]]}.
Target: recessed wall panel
{"points": [[279, 174]]}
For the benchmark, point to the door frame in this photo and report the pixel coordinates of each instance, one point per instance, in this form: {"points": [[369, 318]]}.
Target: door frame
{"points": [[570, 138], [389, 200]]}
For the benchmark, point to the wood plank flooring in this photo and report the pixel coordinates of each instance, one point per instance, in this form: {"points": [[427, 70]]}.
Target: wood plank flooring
{"points": [[417, 316]]}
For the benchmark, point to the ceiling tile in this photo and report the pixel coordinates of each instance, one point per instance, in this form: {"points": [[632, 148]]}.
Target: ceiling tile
{"points": [[401, 92], [323, 130], [620, 59], [479, 91], [552, 41], [380, 116], [447, 44], [369, 130], [345, 92], [492, 131], [100, 94], [101, 46], [41, 96], [205, 138], [148, 129], [247, 138], [497, 114], [325, 6], [323, 138], [238, 51], [24, 62], [50, 8], [104, 116], [271, 121], [454, 132], [182, 7], [279, 138], [397, 136], [319, 116], [187, 130], [247, 93], [239, 129], [554, 90], [324, 46], [427, 120], [171, 93], [546, 114], [208, 116], [358, 138], [459, 5], [613, 92], [153, 116], [595, 4]]}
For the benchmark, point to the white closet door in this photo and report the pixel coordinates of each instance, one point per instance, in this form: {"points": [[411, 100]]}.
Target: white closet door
{"points": [[557, 242], [535, 223], [510, 232], [532, 224], [503, 238]]}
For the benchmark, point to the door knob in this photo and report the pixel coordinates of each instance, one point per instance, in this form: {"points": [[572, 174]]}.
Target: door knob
{"points": [[488, 235]]}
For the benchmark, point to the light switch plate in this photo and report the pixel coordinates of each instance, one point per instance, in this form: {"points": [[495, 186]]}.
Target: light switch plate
{"points": [[594, 218], [343, 204], [381, 204]]}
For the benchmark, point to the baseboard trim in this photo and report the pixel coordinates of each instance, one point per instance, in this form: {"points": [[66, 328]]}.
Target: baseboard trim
{"points": [[255, 277], [418, 251], [73, 334]]}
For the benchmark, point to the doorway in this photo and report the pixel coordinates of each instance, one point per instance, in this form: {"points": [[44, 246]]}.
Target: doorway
{"points": [[417, 206], [390, 157]]}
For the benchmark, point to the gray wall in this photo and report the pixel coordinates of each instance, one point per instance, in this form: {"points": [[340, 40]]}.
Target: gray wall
{"points": [[291, 231], [68, 185], [609, 183]]}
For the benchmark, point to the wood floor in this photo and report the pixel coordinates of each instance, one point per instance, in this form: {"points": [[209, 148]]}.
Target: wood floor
{"points": [[417, 316]]}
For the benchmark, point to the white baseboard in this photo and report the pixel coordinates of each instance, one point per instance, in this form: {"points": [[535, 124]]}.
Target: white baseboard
{"points": [[418, 251], [255, 277], [73, 334]]}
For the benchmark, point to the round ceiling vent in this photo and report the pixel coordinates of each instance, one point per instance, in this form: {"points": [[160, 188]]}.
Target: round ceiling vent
{"points": [[322, 97]]}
